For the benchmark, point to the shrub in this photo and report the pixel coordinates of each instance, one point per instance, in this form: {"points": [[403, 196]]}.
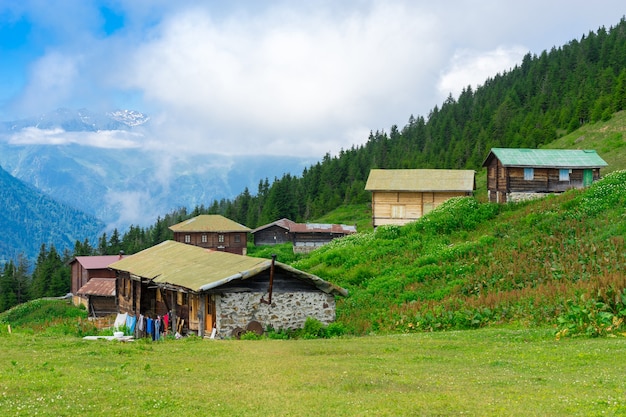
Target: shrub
{"points": [[592, 317]]}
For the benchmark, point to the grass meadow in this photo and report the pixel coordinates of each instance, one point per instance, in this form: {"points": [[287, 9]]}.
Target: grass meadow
{"points": [[484, 372]]}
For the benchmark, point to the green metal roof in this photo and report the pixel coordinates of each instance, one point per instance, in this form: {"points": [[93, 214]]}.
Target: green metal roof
{"points": [[420, 180], [198, 269], [549, 158], [209, 223]]}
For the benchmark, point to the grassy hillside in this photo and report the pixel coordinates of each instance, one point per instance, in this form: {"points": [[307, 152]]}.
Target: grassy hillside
{"points": [[607, 138], [471, 264]]}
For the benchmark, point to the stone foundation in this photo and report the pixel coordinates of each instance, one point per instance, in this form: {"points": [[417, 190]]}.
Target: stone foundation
{"points": [[288, 310], [518, 197]]}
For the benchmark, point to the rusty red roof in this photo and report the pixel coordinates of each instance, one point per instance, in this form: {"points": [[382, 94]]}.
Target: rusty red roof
{"points": [[104, 287], [322, 228], [96, 262], [294, 227], [284, 223]]}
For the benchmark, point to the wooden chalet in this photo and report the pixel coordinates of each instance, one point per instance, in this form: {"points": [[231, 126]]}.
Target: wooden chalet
{"points": [[204, 290], [521, 174], [303, 236], [400, 196], [212, 231], [93, 283], [273, 233]]}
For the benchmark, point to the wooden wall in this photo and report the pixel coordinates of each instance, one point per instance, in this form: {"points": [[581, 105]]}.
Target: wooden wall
{"points": [[229, 244], [402, 207], [272, 235]]}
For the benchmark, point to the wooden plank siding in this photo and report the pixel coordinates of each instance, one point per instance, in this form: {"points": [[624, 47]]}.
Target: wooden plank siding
{"points": [[272, 235], [232, 242], [137, 296], [402, 207]]}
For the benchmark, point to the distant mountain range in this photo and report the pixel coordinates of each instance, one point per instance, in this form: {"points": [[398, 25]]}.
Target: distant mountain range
{"points": [[56, 154], [29, 218], [81, 120]]}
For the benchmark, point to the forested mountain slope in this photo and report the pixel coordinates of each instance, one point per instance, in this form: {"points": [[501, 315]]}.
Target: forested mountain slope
{"points": [[29, 219]]}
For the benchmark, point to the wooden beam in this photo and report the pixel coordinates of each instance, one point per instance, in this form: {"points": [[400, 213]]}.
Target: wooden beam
{"points": [[201, 314]]}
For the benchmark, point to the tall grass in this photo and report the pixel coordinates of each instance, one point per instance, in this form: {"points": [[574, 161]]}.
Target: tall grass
{"points": [[48, 316], [469, 264]]}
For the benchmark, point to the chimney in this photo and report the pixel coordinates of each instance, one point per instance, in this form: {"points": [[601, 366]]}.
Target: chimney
{"points": [[121, 254]]}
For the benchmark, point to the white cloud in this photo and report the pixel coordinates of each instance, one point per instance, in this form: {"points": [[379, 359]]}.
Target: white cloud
{"points": [[282, 77], [473, 68], [132, 207], [283, 82], [52, 80], [112, 139]]}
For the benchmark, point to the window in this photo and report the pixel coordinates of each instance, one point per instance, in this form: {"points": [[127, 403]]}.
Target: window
{"points": [[563, 174], [529, 174], [237, 238], [187, 239], [204, 239], [220, 238]]}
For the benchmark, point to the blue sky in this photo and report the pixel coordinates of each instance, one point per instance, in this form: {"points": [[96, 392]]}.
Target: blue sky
{"points": [[269, 77]]}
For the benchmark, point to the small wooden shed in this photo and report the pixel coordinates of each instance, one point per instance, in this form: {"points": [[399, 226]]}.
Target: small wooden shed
{"points": [[212, 231], [274, 233], [96, 296], [522, 174], [206, 289], [400, 196], [304, 237]]}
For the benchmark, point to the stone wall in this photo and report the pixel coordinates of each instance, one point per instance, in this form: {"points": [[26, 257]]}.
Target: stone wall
{"points": [[519, 196], [288, 310]]}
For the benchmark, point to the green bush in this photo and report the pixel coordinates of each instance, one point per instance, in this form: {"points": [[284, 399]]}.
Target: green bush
{"points": [[592, 317]]}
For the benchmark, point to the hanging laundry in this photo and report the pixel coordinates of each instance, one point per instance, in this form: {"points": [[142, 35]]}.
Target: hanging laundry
{"points": [[166, 322], [157, 328], [150, 327], [130, 323], [120, 320]]}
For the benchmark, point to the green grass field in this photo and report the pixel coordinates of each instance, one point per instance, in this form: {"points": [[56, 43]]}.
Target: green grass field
{"points": [[487, 372]]}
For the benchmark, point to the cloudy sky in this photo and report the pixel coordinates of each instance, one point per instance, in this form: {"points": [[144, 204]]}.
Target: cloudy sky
{"points": [[269, 77]]}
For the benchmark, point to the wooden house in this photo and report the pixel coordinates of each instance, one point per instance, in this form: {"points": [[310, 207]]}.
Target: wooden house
{"points": [[93, 283], [521, 174], [303, 236], [212, 231], [274, 233], [400, 196], [204, 290]]}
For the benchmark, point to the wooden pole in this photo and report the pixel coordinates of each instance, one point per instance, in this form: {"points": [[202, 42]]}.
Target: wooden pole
{"points": [[174, 318], [201, 314]]}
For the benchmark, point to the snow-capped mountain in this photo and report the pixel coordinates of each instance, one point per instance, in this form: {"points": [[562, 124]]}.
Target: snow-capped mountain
{"points": [[130, 118], [81, 120]]}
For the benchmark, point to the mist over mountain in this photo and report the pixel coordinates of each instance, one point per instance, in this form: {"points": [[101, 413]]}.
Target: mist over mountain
{"points": [[99, 163]]}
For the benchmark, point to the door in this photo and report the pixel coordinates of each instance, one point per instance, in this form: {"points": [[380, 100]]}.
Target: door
{"points": [[209, 320], [587, 177]]}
